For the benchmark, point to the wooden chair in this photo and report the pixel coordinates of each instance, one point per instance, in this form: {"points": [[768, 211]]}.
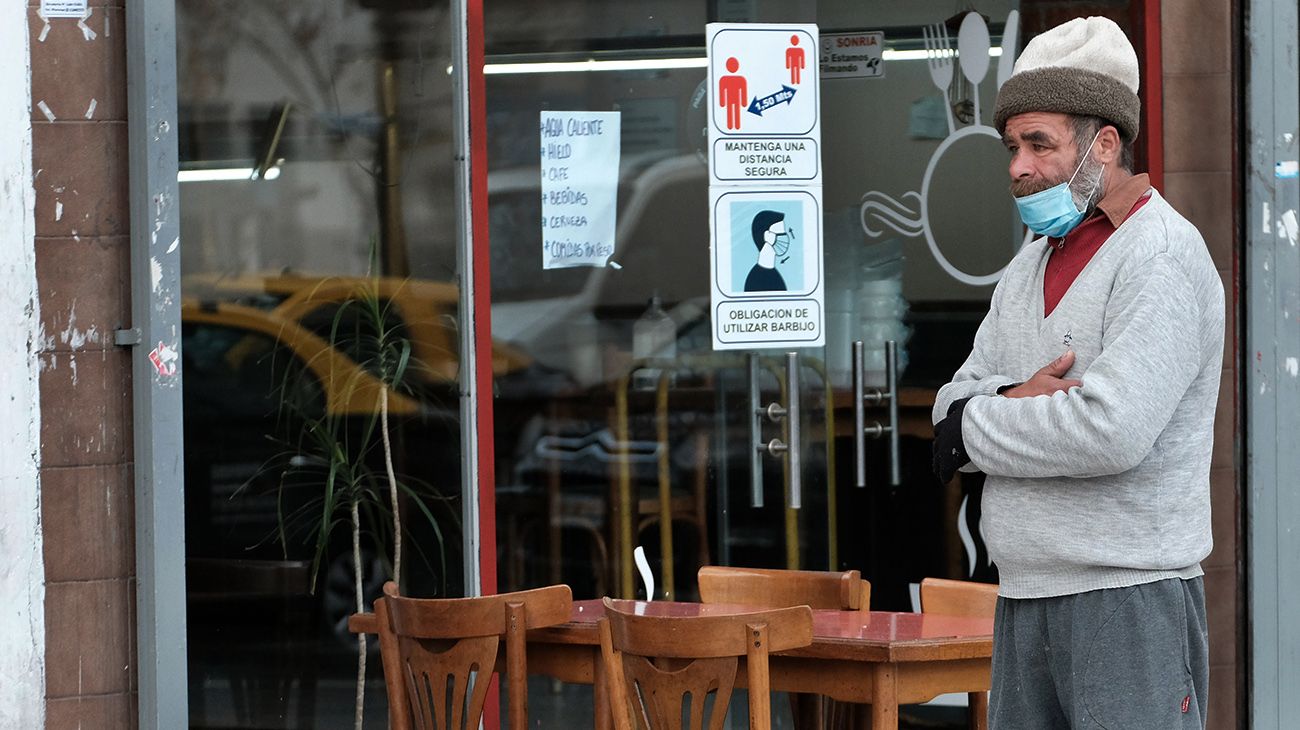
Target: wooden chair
{"points": [[958, 598], [839, 591], [430, 647], [962, 598], [842, 591], [653, 662]]}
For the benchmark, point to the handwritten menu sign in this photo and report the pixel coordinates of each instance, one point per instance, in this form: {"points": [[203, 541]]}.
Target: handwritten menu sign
{"points": [[580, 152]]}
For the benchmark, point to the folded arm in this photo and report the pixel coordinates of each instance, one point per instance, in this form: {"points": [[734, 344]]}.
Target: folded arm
{"points": [[978, 375], [1150, 355]]}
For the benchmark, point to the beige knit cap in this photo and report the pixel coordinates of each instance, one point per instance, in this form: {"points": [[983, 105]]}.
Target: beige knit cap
{"points": [[1086, 66]]}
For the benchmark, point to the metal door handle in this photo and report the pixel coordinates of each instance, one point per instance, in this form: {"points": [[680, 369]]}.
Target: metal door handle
{"points": [[861, 397], [755, 435], [789, 446], [795, 452]]}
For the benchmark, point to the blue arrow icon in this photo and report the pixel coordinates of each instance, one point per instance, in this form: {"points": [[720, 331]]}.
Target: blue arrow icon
{"points": [[760, 105]]}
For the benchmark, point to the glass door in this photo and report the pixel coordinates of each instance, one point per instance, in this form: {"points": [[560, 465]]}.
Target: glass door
{"points": [[319, 344], [627, 430]]}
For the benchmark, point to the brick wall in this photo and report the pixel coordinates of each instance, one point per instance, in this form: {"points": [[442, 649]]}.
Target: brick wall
{"points": [[79, 161], [1201, 78]]}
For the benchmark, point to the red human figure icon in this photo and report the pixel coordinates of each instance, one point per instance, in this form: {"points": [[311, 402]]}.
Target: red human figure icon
{"points": [[794, 59], [732, 93]]}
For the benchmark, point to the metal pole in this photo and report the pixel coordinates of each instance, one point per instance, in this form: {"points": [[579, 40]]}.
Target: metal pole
{"points": [[156, 318], [1273, 342], [468, 371], [721, 455]]}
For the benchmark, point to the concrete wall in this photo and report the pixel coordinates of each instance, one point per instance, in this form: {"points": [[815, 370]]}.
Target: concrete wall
{"points": [[1202, 81], [80, 161], [22, 622]]}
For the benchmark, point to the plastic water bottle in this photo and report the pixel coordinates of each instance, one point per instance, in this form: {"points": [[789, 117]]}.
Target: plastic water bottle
{"points": [[654, 337]]}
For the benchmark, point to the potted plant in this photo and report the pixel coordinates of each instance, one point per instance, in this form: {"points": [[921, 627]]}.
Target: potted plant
{"points": [[346, 461]]}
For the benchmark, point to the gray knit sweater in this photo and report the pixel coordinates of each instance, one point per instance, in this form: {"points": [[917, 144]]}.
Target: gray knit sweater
{"points": [[1107, 485]]}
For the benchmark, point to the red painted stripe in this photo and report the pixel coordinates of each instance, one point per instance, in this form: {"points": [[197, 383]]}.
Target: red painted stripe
{"points": [[482, 307], [1153, 94], [482, 298]]}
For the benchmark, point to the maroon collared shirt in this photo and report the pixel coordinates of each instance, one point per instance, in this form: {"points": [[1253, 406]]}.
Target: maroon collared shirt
{"points": [[1071, 254]]}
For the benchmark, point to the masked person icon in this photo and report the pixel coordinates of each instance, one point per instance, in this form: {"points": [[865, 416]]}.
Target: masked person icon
{"points": [[773, 242]]}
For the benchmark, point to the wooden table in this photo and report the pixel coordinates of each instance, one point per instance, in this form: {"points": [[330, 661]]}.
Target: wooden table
{"points": [[880, 658]]}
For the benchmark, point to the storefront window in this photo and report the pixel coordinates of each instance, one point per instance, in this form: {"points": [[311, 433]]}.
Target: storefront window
{"points": [[916, 225], [318, 265], [917, 222], [320, 305]]}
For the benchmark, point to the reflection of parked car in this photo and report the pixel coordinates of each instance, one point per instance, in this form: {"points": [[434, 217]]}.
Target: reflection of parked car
{"points": [[424, 312], [562, 317], [264, 354]]}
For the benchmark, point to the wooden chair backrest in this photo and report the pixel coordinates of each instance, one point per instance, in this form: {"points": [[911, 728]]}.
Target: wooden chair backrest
{"points": [[768, 588], [958, 598], [431, 647], [654, 662]]}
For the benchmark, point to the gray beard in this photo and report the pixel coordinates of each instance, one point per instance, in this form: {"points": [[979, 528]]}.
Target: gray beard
{"points": [[1086, 188]]}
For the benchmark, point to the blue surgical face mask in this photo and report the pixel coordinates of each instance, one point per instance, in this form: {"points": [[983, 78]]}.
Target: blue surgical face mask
{"points": [[1052, 212], [782, 242]]}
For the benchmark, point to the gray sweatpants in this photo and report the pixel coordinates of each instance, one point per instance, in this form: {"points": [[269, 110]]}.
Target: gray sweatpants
{"points": [[1135, 657]]}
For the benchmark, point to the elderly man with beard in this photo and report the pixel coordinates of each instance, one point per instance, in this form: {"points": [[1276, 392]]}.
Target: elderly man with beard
{"points": [[1088, 402]]}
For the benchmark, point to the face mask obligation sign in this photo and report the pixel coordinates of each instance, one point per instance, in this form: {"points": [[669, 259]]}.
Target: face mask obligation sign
{"points": [[765, 186]]}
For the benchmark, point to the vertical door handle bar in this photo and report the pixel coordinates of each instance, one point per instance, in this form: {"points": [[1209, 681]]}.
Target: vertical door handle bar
{"points": [[859, 418], [794, 453], [861, 397], [755, 435], [891, 376]]}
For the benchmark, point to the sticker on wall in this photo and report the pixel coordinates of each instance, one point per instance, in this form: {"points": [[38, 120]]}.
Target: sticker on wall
{"points": [[164, 360], [853, 55], [64, 8], [765, 192], [580, 156], [909, 213]]}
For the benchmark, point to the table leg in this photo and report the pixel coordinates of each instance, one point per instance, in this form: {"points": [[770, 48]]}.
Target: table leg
{"points": [[884, 697], [979, 710], [604, 720]]}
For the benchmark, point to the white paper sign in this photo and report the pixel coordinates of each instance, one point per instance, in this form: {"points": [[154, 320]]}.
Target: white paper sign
{"points": [[765, 194], [580, 158], [63, 8], [853, 55]]}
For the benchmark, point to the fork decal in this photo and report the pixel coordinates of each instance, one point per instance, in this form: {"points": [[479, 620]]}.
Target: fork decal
{"points": [[878, 210]]}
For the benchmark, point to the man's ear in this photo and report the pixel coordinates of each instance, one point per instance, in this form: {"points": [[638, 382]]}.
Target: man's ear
{"points": [[1108, 145]]}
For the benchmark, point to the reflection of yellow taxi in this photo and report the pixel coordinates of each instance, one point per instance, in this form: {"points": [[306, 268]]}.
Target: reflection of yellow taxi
{"points": [[305, 314], [348, 388], [281, 390]]}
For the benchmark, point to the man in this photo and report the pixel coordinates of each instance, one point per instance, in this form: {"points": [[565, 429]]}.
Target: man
{"points": [[772, 240], [1088, 402]]}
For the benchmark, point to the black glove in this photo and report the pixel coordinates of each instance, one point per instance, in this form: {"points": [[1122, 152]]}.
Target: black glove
{"points": [[949, 453]]}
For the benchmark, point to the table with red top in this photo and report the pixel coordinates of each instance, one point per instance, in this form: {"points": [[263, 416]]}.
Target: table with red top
{"points": [[881, 658]]}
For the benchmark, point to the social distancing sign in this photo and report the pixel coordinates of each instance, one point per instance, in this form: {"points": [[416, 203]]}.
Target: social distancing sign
{"points": [[765, 186]]}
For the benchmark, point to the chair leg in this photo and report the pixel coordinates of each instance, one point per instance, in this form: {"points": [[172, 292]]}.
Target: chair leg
{"points": [[979, 710]]}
